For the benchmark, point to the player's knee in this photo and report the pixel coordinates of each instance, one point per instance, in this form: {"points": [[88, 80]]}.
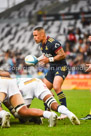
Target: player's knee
{"points": [[57, 89], [21, 109], [50, 102]]}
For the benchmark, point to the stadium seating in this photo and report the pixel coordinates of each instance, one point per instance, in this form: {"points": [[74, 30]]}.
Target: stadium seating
{"points": [[16, 32], [81, 5]]}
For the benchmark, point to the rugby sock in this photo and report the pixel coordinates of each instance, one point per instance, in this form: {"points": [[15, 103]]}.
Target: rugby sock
{"points": [[2, 112], [46, 114], [46, 107], [13, 111], [62, 98], [62, 109]]}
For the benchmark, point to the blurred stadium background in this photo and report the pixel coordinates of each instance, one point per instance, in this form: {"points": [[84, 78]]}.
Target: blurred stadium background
{"points": [[69, 21]]}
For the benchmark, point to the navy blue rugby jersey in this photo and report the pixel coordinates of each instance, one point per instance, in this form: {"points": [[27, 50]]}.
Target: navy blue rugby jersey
{"points": [[50, 48]]}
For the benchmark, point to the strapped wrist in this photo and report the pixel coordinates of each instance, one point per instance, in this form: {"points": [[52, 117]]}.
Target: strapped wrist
{"points": [[51, 59]]}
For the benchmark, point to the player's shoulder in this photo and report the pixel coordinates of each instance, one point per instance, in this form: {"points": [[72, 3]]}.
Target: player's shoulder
{"points": [[53, 42], [50, 39]]}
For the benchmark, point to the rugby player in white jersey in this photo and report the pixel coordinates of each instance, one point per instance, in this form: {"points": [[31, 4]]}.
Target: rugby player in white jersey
{"points": [[33, 87], [9, 89]]}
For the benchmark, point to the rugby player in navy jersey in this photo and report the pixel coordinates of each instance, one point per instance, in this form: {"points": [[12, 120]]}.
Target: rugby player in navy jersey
{"points": [[53, 54]]}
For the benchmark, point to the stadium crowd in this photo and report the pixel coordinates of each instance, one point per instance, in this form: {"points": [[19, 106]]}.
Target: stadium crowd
{"points": [[73, 34], [76, 45]]}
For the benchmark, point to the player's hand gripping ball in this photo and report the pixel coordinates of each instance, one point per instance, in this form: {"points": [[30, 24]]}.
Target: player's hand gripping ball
{"points": [[31, 60]]}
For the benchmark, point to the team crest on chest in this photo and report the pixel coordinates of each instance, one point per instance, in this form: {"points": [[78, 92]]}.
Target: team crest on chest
{"points": [[46, 48]]}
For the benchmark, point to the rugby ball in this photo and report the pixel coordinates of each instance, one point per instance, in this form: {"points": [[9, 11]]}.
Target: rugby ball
{"points": [[31, 60]]}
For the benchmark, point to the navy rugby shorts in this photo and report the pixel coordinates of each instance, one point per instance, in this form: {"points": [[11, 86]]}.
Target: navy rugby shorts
{"points": [[56, 71]]}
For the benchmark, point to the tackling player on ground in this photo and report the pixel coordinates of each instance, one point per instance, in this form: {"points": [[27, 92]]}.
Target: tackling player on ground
{"points": [[9, 89], [53, 54], [33, 87]]}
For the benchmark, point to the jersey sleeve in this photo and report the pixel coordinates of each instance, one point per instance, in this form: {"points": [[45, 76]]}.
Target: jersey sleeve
{"points": [[56, 46]]}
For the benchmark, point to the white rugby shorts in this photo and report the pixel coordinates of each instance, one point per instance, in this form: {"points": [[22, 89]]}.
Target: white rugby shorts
{"points": [[33, 88], [8, 86]]}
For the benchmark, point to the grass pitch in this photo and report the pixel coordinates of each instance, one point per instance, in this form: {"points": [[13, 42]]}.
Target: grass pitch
{"points": [[78, 101]]}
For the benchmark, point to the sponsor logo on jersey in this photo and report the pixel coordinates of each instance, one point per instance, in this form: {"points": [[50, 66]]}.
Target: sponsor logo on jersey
{"points": [[57, 73], [47, 55]]}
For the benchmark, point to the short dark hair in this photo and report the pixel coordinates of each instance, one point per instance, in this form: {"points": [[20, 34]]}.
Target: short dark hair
{"points": [[38, 28]]}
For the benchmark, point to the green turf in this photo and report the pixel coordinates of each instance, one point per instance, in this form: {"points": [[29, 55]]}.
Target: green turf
{"points": [[78, 102]]}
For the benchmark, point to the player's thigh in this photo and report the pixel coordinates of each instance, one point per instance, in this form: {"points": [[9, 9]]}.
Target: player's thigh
{"points": [[48, 83], [2, 96], [48, 80], [16, 99], [60, 75]]}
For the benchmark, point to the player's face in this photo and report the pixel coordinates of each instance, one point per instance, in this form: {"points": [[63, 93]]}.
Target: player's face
{"points": [[37, 36]]}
